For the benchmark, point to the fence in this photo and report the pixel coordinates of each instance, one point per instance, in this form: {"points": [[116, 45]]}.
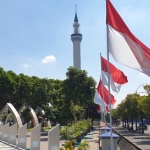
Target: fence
{"points": [[9, 135]]}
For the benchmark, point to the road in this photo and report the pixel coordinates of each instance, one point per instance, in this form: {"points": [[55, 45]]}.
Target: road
{"points": [[148, 129], [145, 131]]}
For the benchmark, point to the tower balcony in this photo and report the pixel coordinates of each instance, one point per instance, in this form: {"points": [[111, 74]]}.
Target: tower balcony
{"points": [[76, 37]]}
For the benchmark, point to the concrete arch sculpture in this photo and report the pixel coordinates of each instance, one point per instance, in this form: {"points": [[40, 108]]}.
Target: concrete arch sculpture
{"points": [[42, 112], [15, 115], [32, 113]]}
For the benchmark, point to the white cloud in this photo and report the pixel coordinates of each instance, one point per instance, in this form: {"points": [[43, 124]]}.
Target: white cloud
{"points": [[24, 65], [48, 59]]}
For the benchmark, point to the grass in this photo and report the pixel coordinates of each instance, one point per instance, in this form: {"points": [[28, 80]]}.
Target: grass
{"points": [[29, 130], [46, 128], [43, 128]]}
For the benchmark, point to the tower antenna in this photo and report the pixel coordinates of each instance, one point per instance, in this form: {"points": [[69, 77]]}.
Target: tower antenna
{"points": [[75, 8]]}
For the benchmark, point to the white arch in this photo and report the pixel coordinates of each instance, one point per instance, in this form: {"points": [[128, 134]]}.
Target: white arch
{"points": [[32, 113], [39, 109], [35, 119], [42, 112], [14, 113]]}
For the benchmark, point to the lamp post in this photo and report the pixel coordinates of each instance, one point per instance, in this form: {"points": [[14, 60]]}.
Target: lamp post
{"points": [[138, 87], [141, 92], [141, 110]]}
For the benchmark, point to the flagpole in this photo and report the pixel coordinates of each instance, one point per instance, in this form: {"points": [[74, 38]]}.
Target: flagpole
{"points": [[103, 93], [99, 130], [110, 114], [101, 112]]}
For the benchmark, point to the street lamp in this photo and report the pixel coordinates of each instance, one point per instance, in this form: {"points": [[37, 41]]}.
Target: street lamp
{"points": [[138, 87], [141, 92], [141, 111]]}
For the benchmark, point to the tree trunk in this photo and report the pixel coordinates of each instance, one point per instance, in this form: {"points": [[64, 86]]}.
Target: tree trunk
{"points": [[142, 122], [136, 123], [125, 123], [132, 124]]}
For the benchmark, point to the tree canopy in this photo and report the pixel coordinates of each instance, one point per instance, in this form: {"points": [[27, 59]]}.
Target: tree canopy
{"points": [[53, 95]]}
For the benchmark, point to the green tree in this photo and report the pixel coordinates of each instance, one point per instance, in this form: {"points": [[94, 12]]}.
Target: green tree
{"points": [[26, 115], [147, 89], [7, 88], [51, 114], [115, 114], [77, 111], [131, 106], [77, 89]]}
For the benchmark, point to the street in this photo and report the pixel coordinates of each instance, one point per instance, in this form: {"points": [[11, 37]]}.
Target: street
{"points": [[145, 131]]}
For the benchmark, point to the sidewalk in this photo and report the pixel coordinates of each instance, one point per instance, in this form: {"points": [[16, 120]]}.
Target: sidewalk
{"points": [[141, 141], [92, 137], [6, 147]]}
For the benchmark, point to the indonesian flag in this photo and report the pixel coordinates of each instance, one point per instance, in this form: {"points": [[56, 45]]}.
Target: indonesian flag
{"points": [[103, 92], [123, 45], [117, 77], [107, 109], [98, 109], [98, 100]]}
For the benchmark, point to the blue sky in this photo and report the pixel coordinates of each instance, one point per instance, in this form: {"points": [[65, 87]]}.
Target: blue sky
{"points": [[35, 37]]}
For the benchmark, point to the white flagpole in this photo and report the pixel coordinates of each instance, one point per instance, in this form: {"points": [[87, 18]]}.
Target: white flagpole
{"points": [[110, 114], [100, 105], [103, 94]]}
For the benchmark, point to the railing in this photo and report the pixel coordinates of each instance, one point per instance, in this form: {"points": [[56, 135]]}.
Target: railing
{"points": [[128, 143]]}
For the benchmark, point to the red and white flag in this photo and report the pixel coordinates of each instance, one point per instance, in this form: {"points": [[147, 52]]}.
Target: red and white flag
{"points": [[98, 100], [98, 109], [103, 92], [107, 109], [117, 77], [123, 45]]}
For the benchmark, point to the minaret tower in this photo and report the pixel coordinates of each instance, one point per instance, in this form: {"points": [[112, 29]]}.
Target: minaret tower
{"points": [[76, 38]]}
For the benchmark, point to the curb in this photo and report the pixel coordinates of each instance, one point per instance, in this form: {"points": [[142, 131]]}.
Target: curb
{"points": [[131, 143]]}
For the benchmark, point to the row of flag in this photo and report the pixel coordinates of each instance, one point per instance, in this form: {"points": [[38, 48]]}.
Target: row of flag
{"points": [[126, 49], [99, 109], [117, 78]]}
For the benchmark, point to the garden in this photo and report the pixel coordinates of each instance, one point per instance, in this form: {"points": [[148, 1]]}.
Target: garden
{"points": [[74, 133]]}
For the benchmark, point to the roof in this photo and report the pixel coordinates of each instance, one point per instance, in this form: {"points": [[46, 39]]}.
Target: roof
{"points": [[75, 18], [107, 135]]}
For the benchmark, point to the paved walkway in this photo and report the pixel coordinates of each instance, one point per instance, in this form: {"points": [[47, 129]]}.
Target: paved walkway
{"points": [[92, 137], [142, 141], [6, 147]]}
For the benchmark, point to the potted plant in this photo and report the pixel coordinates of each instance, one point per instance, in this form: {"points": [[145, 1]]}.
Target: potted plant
{"points": [[78, 135], [69, 145], [67, 133], [84, 145]]}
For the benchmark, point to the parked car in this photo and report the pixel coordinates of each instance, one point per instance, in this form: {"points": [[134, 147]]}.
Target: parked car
{"points": [[144, 125], [140, 123]]}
